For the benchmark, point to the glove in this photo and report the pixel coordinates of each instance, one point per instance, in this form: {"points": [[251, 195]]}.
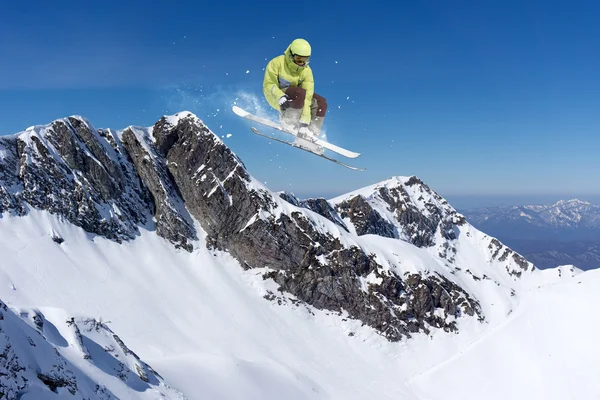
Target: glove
{"points": [[304, 132], [284, 102]]}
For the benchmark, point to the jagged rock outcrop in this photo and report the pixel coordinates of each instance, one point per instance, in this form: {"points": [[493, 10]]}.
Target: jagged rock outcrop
{"points": [[65, 170], [503, 253], [92, 179], [172, 219], [10, 183], [365, 219], [395, 306], [417, 219], [318, 205]]}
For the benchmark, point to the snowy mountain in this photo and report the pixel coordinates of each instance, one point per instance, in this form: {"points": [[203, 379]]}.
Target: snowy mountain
{"points": [[564, 220], [230, 290], [567, 232]]}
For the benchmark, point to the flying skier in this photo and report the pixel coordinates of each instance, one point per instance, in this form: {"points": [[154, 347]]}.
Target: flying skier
{"points": [[289, 87]]}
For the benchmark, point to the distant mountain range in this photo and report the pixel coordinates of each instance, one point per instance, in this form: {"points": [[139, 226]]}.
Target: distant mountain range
{"points": [[566, 232], [564, 221]]}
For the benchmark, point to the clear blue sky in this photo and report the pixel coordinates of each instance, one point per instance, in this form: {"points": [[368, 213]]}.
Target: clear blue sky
{"points": [[484, 98]]}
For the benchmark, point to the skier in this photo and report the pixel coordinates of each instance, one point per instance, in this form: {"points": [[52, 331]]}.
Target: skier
{"points": [[289, 85]]}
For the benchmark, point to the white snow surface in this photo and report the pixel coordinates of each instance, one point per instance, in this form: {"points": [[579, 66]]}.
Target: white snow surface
{"points": [[202, 323]]}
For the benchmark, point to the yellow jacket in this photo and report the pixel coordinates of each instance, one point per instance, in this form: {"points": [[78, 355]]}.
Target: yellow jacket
{"points": [[281, 73]]}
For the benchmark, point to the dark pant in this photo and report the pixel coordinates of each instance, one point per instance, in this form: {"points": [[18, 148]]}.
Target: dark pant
{"points": [[297, 94]]}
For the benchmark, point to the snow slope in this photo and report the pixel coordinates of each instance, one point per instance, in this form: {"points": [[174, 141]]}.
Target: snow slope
{"points": [[545, 350], [201, 322]]}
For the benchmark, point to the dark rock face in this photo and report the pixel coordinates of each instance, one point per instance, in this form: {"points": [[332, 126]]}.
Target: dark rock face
{"points": [[172, 220], [365, 219], [395, 307], [87, 176], [10, 183], [61, 174], [211, 180]]}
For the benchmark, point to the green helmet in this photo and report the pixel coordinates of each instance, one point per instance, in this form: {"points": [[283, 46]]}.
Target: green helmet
{"points": [[300, 47]]}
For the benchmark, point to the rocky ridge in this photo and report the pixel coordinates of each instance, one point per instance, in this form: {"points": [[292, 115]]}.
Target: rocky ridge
{"points": [[165, 177]]}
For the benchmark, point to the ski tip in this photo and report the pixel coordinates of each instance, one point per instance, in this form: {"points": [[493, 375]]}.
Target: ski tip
{"points": [[239, 111]]}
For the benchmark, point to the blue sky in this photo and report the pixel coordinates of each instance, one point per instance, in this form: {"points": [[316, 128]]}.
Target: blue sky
{"points": [[490, 99]]}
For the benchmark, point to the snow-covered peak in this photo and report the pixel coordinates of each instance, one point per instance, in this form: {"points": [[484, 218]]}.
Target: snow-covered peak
{"points": [[400, 201], [401, 191], [42, 130], [371, 190], [174, 119], [571, 203], [405, 208]]}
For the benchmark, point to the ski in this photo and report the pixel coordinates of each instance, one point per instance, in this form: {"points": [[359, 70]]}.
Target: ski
{"points": [[297, 145], [245, 114]]}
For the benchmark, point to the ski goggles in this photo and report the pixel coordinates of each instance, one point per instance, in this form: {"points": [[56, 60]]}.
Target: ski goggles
{"points": [[300, 60]]}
